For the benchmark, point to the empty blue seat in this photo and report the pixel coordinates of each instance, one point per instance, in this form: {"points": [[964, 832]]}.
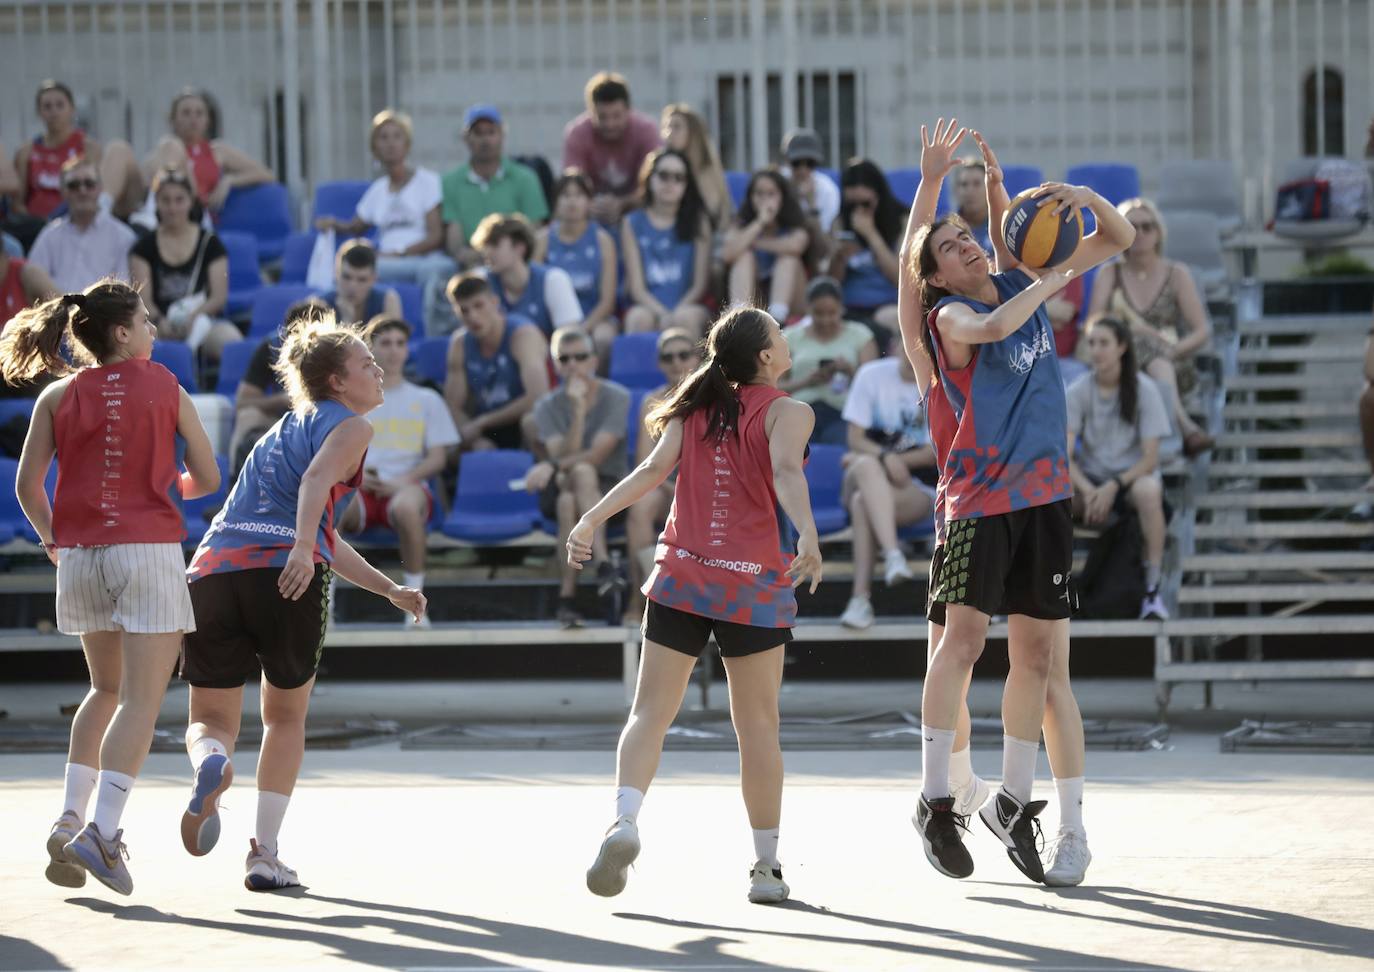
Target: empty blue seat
{"points": [[12, 519], [339, 199], [177, 358], [295, 257], [1019, 178], [412, 305], [232, 364], [193, 510], [824, 473], [904, 183], [265, 212], [245, 279], [429, 359], [1113, 181], [485, 507], [10, 407], [270, 306], [634, 361], [738, 184]]}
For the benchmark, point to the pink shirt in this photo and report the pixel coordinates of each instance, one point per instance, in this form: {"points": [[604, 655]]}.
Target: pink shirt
{"points": [[612, 166]]}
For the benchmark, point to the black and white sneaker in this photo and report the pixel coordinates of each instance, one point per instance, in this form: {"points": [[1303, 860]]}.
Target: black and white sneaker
{"points": [[939, 827], [1016, 827]]}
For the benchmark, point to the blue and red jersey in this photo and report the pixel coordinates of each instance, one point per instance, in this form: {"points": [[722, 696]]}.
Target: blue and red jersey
{"points": [[257, 526], [727, 545], [1001, 432]]}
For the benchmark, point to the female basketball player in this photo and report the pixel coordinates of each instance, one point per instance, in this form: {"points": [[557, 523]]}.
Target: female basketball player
{"points": [[260, 583], [119, 427], [1034, 631], [724, 566]]}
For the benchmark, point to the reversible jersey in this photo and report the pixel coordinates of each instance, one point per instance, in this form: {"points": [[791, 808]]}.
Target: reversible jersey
{"points": [[581, 260], [531, 304], [1003, 445], [668, 263], [727, 544], [257, 526], [118, 457]]}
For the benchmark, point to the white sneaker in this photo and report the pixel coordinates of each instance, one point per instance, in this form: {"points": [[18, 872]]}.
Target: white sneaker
{"points": [[968, 800], [1069, 859], [1153, 608], [766, 885], [858, 613], [265, 871], [895, 568], [610, 870]]}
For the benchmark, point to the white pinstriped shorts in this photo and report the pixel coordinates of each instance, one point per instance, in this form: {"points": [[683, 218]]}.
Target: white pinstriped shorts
{"points": [[135, 587]]}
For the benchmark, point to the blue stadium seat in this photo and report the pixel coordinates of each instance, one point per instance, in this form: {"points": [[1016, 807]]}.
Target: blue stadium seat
{"points": [[339, 199], [1019, 178], [265, 212], [921, 529], [634, 361], [485, 508], [12, 518], [270, 306], [904, 183], [637, 396], [738, 184], [1114, 181], [232, 364], [10, 407], [295, 257], [245, 279], [177, 358], [824, 475], [412, 305], [429, 359], [193, 510]]}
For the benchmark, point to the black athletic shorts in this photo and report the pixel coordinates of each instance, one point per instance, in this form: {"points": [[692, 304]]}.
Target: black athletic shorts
{"points": [[688, 633], [244, 625], [1011, 563]]}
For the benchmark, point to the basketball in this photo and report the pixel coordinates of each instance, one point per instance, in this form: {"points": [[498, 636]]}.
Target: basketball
{"points": [[1035, 236]]}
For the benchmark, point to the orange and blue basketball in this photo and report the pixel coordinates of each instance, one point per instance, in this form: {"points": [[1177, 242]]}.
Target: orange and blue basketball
{"points": [[1035, 236]]}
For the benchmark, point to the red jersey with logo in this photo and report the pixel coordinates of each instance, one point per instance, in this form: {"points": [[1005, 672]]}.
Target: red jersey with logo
{"points": [[726, 547], [12, 296], [118, 457], [43, 194], [204, 168]]}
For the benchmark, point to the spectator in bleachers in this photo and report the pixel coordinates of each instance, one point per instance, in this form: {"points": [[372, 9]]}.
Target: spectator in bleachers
{"points": [[356, 296], [765, 246], [1159, 300], [194, 148], [487, 184], [580, 431], [258, 400], [9, 176], [533, 290], [1116, 420], [609, 141], [22, 284], [582, 249], [867, 235], [87, 244], [826, 352], [185, 269], [1365, 510], [685, 131], [819, 196], [888, 447], [497, 367], [39, 163], [678, 357], [412, 434], [971, 199], [666, 246], [403, 206]]}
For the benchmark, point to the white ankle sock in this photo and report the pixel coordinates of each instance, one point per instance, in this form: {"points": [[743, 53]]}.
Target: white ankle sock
{"points": [[628, 800], [416, 581], [112, 792], [203, 747], [961, 770], [1070, 802], [271, 811], [936, 747], [766, 846], [80, 783], [1018, 766]]}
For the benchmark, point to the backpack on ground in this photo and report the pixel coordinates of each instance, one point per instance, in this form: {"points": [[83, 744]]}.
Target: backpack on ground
{"points": [[1112, 584]]}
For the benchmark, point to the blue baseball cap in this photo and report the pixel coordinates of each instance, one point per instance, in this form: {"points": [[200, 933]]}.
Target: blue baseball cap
{"points": [[479, 113]]}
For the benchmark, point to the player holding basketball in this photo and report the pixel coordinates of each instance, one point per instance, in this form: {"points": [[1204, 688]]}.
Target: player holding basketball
{"points": [[1003, 489], [260, 583], [725, 565], [119, 427]]}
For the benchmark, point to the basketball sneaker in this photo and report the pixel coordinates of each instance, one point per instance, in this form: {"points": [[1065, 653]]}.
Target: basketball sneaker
{"points": [[939, 827], [609, 872], [61, 871], [103, 858], [1069, 859], [766, 885], [200, 822], [1015, 825], [265, 872]]}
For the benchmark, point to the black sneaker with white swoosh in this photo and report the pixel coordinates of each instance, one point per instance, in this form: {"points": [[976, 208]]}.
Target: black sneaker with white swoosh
{"points": [[1016, 826], [939, 827]]}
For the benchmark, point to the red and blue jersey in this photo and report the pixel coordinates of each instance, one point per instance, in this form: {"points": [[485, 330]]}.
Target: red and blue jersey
{"points": [[257, 526], [1001, 433], [726, 547]]}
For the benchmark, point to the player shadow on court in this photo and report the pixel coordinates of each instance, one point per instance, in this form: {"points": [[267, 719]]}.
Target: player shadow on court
{"points": [[20, 953], [1210, 919], [1002, 952], [519, 942]]}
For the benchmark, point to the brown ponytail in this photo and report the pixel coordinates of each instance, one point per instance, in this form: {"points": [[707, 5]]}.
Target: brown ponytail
{"points": [[314, 349], [32, 341], [732, 359]]}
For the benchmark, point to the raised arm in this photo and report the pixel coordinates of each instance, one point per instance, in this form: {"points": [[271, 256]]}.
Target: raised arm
{"points": [[998, 201], [1113, 234]]}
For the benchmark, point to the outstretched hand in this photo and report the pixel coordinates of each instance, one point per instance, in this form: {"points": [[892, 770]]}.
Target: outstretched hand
{"points": [[993, 169], [937, 154]]}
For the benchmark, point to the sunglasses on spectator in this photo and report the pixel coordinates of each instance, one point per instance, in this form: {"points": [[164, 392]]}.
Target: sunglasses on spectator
{"points": [[803, 164], [668, 175], [669, 356], [1148, 226], [81, 183], [574, 356]]}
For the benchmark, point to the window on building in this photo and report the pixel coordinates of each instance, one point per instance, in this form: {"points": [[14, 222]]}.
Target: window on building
{"points": [[1323, 125], [826, 101]]}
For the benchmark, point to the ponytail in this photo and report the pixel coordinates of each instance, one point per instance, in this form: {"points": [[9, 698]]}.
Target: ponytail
{"points": [[33, 341], [314, 349], [732, 359], [1128, 391]]}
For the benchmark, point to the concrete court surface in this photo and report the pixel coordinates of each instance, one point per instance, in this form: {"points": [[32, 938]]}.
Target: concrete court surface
{"points": [[474, 860]]}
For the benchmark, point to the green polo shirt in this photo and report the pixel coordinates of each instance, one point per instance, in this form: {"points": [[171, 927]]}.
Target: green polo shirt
{"points": [[468, 198]]}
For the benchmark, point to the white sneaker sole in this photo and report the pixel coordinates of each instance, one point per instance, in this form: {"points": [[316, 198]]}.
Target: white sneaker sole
{"points": [[1067, 878], [610, 871], [775, 894]]}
